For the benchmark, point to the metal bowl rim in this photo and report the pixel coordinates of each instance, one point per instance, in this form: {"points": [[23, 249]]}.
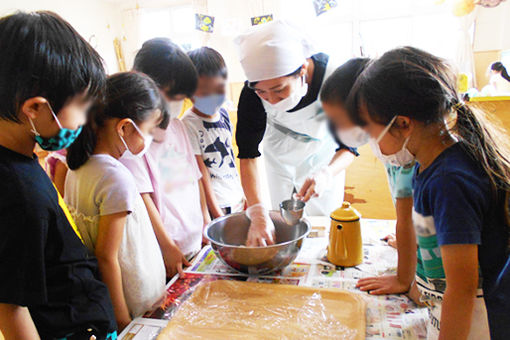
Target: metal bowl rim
{"points": [[206, 233], [282, 205]]}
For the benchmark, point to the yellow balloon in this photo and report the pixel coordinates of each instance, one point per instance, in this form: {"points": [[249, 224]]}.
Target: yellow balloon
{"points": [[463, 7], [462, 82]]}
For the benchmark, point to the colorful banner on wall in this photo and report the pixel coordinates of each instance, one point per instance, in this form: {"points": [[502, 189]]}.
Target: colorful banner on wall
{"points": [[204, 23], [322, 6], [262, 19]]}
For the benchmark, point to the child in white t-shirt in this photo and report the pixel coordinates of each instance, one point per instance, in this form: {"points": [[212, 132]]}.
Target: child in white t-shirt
{"points": [[167, 176], [103, 198], [210, 133]]}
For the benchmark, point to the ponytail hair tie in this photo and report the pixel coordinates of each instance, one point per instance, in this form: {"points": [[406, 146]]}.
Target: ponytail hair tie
{"points": [[458, 105]]}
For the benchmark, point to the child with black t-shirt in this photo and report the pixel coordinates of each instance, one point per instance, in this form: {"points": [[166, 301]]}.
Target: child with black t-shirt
{"points": [[49, 286]]}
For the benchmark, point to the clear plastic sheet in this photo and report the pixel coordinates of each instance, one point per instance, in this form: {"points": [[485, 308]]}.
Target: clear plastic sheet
{"points": [[244, 310]]}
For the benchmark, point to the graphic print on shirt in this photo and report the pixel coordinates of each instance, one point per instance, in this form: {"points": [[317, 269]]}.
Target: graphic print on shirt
{"points": [[211, 139], [217, 154], [225, 151], [429, 271]]}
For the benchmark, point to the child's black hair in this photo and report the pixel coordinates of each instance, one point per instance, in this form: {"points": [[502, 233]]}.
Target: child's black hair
{"points": [[498, 66], [165, 115], [168, 65], [208, 62], [410, 82], [338, 85], [127, 95], [42, 55]]}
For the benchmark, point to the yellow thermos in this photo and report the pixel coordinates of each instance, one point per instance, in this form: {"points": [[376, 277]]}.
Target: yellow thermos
{"points": [[345, 245]]}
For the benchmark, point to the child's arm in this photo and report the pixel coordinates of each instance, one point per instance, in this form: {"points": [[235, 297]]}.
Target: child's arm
{"points": [[172, 255], [109, 237], [205, 211], [59, 178], [460, 262], [212, 202], [406, 248], [16, 322]]}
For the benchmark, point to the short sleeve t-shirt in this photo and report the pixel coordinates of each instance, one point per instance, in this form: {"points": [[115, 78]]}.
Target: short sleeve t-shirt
{"points": [[103, 186], [400, 180], [453, 204], [169, 172], [212, 139], [43, 263]]}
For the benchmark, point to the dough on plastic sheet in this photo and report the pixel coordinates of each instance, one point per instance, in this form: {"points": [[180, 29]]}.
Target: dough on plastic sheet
{"points": [[243, 310]]}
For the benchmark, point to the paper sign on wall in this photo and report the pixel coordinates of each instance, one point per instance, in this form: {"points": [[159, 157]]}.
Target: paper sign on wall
{"points": [[204, 23], [322, 6], [262, 19]]}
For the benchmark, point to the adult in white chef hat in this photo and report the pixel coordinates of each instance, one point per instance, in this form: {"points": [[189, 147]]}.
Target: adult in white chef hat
{"points": [[279, 105]]}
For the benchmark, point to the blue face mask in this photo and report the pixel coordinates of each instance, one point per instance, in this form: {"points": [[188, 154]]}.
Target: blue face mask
{"points": [[62, 140], [209, 105]]}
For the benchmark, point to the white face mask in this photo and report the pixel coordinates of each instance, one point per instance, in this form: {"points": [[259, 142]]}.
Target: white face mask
{"points": [[175, 108], [401, 158], [147, 140], [292, 100], [353, 137]]}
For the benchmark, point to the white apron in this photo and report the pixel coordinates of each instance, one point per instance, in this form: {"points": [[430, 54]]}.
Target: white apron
{"points": [[295, 145]]}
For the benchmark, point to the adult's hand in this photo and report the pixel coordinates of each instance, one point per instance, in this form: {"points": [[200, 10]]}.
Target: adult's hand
{"points": [[261, 232], [316, 184]]}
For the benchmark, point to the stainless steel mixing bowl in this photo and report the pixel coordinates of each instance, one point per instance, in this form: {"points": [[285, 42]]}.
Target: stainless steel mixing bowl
{"points": [[228, 234]]}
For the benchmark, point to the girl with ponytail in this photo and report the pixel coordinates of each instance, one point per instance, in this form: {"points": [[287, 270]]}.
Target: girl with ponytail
{"points": [[104, 200], [500, 79], [408, 103]]}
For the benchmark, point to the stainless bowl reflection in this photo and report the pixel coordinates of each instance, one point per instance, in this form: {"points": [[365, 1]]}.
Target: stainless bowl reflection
{"points": [[228, 234]]}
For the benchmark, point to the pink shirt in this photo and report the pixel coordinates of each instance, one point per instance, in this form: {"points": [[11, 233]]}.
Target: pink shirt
{"points": [[169, 172]]}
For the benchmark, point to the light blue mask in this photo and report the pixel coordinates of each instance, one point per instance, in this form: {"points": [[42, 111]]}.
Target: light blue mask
{"points": [[209, 105]]}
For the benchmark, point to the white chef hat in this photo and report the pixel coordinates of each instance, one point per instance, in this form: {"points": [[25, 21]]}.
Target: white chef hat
{"points": [[271, 50]]}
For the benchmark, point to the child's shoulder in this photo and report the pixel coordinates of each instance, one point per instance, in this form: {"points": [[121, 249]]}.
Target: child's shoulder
{"points": [[189, 116], [108, 170], [455, 168]]}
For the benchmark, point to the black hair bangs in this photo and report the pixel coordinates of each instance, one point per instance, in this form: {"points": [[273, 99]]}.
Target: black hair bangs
{"points": [[42, 55], [208, 62], [167, 64]]}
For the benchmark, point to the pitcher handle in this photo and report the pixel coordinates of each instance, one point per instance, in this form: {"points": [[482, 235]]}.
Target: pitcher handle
{"points": [[340, 246]]}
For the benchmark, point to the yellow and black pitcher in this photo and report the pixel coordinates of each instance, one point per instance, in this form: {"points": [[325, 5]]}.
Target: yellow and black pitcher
{"points": [[345, 245]]}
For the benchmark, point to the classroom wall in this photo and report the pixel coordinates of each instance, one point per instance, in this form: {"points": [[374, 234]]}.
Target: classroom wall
{"points": [[98, 21], [491, 36], [493, 28]]}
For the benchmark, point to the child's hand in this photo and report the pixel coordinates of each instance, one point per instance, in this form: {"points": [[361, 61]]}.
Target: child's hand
{"points": [[388, 284], [261, 232], [391, 239], [174, 260]]}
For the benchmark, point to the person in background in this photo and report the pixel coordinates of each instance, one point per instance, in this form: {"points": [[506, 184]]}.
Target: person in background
{"points": [[500, 79], [102, 196], [407, 100], [334, 94], [208, 125], [167, 176], [49, 287]]}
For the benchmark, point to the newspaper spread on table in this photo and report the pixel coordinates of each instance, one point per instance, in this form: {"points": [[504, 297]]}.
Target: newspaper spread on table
{"points": [[387, 317]]}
